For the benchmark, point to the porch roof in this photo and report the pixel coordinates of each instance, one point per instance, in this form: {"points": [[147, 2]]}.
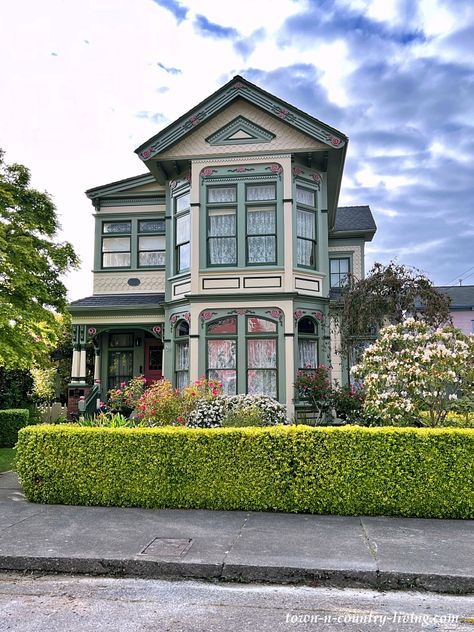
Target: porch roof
{"points": [[117, 301]]}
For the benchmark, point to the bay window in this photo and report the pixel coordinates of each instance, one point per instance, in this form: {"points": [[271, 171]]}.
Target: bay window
{"points": [[182, 354], [182, 233], [307, 344], [241, 225], [242, 353]]}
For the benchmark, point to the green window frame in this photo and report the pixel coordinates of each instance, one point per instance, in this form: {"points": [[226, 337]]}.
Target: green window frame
{"points": [[131, 243], [120, 354], [339, 270], [181, 354], [306, 227], [182, 231], [307, 344], [242, 352], [241, 223]]}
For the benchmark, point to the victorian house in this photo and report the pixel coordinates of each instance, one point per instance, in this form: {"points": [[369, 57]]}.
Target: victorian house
{"points": [[221, 259]]}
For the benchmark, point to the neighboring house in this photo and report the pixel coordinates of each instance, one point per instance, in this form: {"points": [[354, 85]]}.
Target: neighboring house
{"points": [[461, 307], [219, 261]]}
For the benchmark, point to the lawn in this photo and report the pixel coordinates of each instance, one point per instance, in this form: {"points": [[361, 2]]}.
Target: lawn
{"points": [[7, 458]]}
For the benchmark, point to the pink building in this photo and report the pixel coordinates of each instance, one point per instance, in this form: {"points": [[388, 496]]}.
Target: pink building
{"points": [[462, 306]]}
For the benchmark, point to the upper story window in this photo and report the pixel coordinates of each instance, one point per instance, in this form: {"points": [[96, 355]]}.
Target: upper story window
{"points": [[241, 217], [116, 249], [133, 243], [182, 231], [306, 222], [339, 271]]}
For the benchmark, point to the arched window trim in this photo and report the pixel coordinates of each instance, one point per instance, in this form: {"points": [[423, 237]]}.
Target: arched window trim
{"points": [[306, 349]]}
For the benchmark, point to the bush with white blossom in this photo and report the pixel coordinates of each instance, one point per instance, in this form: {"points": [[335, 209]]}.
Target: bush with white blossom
{"points": [[212, 412], [413, 368]]}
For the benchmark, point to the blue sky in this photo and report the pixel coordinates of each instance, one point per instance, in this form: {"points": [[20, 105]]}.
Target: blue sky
{"points": [[84, 83]]}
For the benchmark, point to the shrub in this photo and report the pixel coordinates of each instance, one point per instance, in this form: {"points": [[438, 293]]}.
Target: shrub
{"points": [[242, 417], [348, 402], [413, 368], [126, 397], [10, 423], [272, 412], [427, 472], [107, 420], [207, 413], [160, 405], [313, 386], [220, 410], [15, 388]]}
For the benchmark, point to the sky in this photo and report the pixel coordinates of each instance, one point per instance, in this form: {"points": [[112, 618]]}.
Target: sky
{"points": [[83, 84]]}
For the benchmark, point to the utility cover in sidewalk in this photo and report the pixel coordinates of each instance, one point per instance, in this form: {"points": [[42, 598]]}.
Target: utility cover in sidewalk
{"points": [[167, 547]]}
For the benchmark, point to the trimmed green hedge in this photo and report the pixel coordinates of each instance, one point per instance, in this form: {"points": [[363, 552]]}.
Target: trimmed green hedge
{"points": [[349, 470], [10, 423]]}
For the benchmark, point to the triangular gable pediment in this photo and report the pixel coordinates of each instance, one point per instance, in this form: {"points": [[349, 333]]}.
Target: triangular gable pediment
{"points": [[239, 88], [240, 131]]}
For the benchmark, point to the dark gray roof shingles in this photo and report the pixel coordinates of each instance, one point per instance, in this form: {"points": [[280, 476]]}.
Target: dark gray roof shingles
{"points": [[354, 219], [119, 300], [460, 295]]}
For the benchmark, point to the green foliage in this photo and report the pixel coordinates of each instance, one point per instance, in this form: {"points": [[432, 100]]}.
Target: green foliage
{"points": [[386, 296], [127, 395], [7, 459], [413, 368], [348, 402], [10, 423], [31, 266], [348, 471], [44, 383], [16, 386], [243, 416], [107, 420], [314, 387]]}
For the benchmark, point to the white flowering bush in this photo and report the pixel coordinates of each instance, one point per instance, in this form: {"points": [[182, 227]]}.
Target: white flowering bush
{"points": [[272, 412], [207, 413], [211, 413], [413, 368]]}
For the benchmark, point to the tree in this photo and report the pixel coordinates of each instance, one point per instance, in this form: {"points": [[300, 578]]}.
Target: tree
{"points": [[413, 367], [32, 294], [388, 295]]}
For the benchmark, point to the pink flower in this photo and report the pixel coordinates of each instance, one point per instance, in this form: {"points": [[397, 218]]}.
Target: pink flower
{"points": [[180, 420], [123, 384]]}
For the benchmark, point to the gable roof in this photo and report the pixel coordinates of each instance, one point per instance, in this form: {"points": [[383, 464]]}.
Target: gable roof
{"points": [[354, 221], [462, 296], [334, 141]]}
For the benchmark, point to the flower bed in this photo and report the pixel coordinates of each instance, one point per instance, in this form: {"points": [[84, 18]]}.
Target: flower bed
{"points": [[350, 470]]}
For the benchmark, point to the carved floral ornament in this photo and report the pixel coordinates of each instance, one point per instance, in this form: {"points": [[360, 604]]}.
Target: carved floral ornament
{"points": [[299, 171], [184, 179], [300, 313], [174, 318]]}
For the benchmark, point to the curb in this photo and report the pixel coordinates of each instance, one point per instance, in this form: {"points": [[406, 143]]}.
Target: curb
{"points": [[161, 569]]}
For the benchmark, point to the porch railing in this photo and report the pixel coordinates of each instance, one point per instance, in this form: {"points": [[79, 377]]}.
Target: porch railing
{"points": [[91, 401]]}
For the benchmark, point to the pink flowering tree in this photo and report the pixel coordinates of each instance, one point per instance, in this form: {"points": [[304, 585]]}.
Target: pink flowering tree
{"points": [[414, 368]]}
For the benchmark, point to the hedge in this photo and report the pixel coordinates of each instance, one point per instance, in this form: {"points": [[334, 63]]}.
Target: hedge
{"points": [[10, 423], [349, 470]]}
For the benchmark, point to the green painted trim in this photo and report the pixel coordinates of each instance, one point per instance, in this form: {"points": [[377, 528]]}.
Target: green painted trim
{"points": [[235, 89], [333, 254], [256, 134], [132, 201], [241, 349], [120, 185]]}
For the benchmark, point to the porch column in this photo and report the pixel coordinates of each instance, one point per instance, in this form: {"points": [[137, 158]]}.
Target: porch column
{"points": [[75, 365], [82, 364], [97, 366]]}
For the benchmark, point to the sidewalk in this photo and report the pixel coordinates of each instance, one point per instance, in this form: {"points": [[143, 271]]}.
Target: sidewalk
{"points": [[382, 553]]}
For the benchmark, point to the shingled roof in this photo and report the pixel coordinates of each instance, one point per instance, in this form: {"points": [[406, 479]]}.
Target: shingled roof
{"points": [[354, 220], [462, 296], [125, 301]]}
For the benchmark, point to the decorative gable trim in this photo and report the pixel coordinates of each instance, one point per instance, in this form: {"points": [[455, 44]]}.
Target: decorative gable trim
{"points": [[240, 131], [240, 88]]}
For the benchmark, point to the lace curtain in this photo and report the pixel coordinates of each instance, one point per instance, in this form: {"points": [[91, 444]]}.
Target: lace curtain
{"points": [[222, 242], [262, 363], [261, 192], [182, 364], [261, 249], [262, 383], [308, 354], [305, 230], [222, 194]]}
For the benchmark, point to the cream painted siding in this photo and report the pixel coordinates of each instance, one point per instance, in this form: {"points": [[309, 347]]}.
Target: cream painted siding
{"points": [[286, 139], [356, 252], [117, 282]]}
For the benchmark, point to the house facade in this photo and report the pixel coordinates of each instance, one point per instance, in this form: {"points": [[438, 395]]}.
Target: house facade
{"points": [[220, 260], [461, 307]]}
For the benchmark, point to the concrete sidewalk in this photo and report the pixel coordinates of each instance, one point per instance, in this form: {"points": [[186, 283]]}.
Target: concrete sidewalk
{"points": [[382, 553]]}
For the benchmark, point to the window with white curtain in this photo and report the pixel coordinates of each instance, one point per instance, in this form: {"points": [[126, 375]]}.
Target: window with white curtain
{"points": [[182, 227], [241, 224], [305, 227], [133, 243], [307, 344], [181, 360], [242, 353]]}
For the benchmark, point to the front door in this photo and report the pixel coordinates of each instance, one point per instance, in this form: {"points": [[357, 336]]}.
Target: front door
{"points": [[153, 359]]}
